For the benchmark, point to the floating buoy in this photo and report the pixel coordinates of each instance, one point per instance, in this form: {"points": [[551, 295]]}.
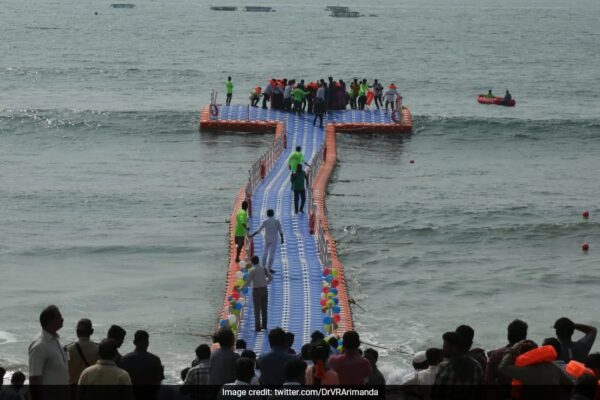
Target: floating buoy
{"points": [[585, 214], [585, 246], [412, 161]]}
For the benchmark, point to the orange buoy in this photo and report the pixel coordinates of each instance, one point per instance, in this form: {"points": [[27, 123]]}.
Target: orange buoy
{"points": [[576, 369]]}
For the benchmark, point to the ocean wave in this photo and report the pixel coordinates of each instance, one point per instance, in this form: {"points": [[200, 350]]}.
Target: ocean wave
{"points": [[533, 129], [42, 251], [20, 121], [466, 232]]}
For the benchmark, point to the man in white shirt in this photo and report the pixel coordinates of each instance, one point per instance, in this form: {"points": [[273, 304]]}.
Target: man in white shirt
{"points": [[272, 227], [425, 378], [48, 361]]}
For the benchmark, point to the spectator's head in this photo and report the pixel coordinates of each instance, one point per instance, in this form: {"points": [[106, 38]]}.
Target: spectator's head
{"points": [[116, 333], [586, 386], [289, 340], [334, 342], [270, 213], [434, 356], [517, 331], [351, 340], [203, 352], [453, 345], [372, 355], [277, 337], [244, 205], [467, 334], [51, 319], [228, 78], [316, 336], [183, 373], [554, 343], [593, 363], [17, 379], [528, 345], [248, 354], [107, 349], [295, 370], [244, 369], [240, 344], [141, 340], [255, 260], [225, 338], [84, 328], [298, 148], [420, 361], [319, 352], [305, 351], [490, 91], [564, 328]]}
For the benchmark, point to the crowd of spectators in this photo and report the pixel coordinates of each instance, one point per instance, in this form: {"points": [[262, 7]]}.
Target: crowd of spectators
{"points": [[455, 370]]}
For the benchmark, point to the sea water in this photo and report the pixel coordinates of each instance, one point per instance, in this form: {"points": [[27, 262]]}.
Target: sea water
{"points": [[114, 207]]}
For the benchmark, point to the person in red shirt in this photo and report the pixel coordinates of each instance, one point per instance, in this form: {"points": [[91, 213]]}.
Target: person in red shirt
{"points": [[351, 367]]}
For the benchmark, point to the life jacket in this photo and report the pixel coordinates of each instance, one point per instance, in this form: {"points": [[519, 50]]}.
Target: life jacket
{"points": [[575, 369], [536, 356]]}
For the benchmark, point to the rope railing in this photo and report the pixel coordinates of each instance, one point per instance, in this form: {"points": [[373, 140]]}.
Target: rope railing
{"points": [[263, 165]]}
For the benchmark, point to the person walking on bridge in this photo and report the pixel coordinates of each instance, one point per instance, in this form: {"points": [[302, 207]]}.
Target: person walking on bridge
{"points": [[272, 227], [296, 158], [241, 228], [298, 180], [259, 277]]}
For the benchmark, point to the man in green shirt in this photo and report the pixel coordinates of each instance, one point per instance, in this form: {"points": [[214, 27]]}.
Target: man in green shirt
{"points": [[297, 95], [362, 94], [298, 179], [296, 158], [229, 86], [241, 227]]}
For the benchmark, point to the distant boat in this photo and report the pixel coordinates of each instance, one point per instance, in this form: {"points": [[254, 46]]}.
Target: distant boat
{"points": [[223, 8], [346, 14], [258, 9], [337, 8], [122, 5]]}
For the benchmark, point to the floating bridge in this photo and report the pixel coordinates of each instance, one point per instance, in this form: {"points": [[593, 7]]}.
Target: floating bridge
{"points": [[309, 290]]}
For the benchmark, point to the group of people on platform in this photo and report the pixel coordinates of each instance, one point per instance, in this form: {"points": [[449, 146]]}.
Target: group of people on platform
{"points": [[320, 96]]}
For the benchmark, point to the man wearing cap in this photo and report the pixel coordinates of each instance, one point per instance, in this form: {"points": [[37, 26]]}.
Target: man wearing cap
{"points": [[82, 353], [424, 376]]}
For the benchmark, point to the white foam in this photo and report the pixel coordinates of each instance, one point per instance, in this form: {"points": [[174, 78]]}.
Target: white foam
{"points": [[7, 337]]}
